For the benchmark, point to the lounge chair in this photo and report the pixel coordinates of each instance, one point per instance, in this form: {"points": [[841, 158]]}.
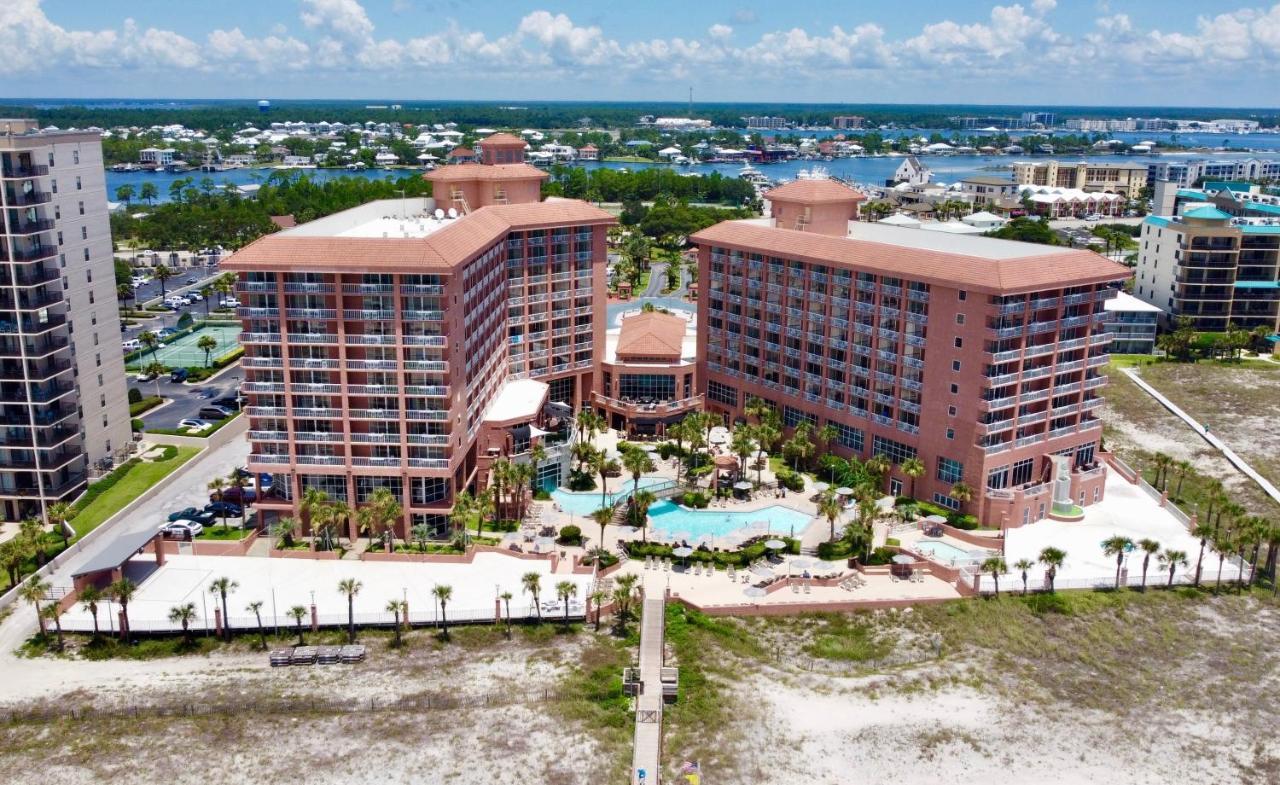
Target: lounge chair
{"points": [[806, 587], [697, 568], [795, 589]]}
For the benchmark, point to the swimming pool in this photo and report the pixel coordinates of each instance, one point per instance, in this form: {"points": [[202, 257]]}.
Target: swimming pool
{"points": [[667, 518], [946, 552], [587, 502]]}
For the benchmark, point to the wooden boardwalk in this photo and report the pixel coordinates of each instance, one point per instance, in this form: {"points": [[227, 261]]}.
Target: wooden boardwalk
{"points": [[648, 739]]}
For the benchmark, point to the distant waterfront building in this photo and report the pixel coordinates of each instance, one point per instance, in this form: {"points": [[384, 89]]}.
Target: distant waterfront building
{"points": [[766, 123], [678, 123], [1188, 172], [848, 122], [1117, 178], [1212, 268], [980, 357], [1046, 119], [984, 190], [1132, 324], [62, 376], [589, 152], [157, 156], [407, 344], [912, 172]]}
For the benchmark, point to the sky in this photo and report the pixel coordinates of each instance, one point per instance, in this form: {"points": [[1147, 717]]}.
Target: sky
{"points": [[1034, 52]]}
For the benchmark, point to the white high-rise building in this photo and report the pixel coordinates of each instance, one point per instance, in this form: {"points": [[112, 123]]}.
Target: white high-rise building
{"points": [[63, 395]]}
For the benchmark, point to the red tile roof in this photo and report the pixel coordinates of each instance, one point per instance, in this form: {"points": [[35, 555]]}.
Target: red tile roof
{"points": [[1033, 271], [502, 140], [452, 245], [456, 172], [461, 152], [814, 191], [651, 334]]}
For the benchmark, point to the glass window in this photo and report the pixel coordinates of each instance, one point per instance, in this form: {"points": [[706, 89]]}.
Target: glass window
{"points": [[646, 386], [722, 393], [950, 471], [897, 452], [850, 437]]}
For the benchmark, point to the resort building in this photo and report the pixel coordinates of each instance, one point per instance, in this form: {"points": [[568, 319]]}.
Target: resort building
{"points": [[1132, 324], [980, 357], [986, 191], [407, 343], [1055, 202], [64, 400], [1236, 198], [911, 172], [1188, 173], [1128, 180], [649, 373], [1212, 268], [848, 122]]}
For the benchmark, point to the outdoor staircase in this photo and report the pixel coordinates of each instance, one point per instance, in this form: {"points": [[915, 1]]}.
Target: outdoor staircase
{"points": [[459, 198]]}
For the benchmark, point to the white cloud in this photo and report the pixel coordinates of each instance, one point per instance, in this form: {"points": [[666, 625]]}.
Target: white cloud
{"points": [[337, 39]]}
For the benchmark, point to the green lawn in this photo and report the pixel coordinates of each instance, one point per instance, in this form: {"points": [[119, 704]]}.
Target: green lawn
{"points": [[131, 481], [233, 532]]}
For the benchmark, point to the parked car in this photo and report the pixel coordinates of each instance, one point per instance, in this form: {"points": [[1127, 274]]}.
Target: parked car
{"points": [[224, 509], [230, 302], [131, 345], [191, 423], [241, 496], [144, 376], [182, 530], [195, 297], [191, 280], [214, 413], [178, 375], [165, 332], [263, 480], [192, 514], [232, 404]]}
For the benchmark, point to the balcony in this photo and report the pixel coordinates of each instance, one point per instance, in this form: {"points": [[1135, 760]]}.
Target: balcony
{"points": [[262, 362], [262, 458], [258, 313], [377, 461], [18, 198], [313, 338], [261, 337], [30, 227], [312, 363], [375, 438], [307, 313], [429, 463], [262, 387], [374, 414], [369, 314], [359, 339], [318, 460], [28, 254], [312, 412], [310, 387], [366, 288], [15, 172], [269, 436]]}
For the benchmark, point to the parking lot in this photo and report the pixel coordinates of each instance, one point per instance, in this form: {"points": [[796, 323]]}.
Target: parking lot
{"points": [[187, 399], [149, 293]]}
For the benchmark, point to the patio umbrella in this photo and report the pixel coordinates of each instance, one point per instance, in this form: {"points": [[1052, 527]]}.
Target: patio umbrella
{"points": [[774, 545], [754, 591], [802, 564], [903, 558], [819, 487], [844, 491], [682, 552], [743, 485], [544, 543]]}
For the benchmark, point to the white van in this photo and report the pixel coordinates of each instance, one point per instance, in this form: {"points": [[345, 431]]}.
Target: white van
{"points": [[132, 345]]}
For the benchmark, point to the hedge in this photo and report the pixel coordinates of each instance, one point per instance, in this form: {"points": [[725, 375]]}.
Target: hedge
{"points": [[149, 402], [739, 558]]}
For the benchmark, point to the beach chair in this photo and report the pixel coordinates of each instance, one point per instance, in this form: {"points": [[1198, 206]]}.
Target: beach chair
{"points": [[666, 565], [732, 574], [697, 568], [746, 576], [806, 587], [795, 589]]}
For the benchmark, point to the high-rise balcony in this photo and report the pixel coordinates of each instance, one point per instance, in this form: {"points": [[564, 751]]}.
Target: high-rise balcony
{"points": [[15, 197], [27, 226], [21, 172], [28, 254]]}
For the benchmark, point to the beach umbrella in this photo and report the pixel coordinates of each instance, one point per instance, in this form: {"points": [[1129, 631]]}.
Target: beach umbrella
{"points": [[544, 543], [844, 491], [743, 485], [819, 487]]}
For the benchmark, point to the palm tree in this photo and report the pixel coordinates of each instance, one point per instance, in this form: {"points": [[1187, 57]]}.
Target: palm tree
{"points": [[765, 435], [603, 466], [1117, 546], [757, 408], [443, 593], [155, 370], [122, 591], [162, 273], [183, 614], [913, 468], [827, 434], [637, 462], [641, 503], [89, 597], [1022, 565], [1149, 548], [58, 514], [238, 481], [148, 192], [206, 344], [1202, 532], [741, 444], [597, 597], [222, 587], [350, 587], [206, 293], [1052, 558], [54, 611], [996, 566], [1171, 560], [124, 293], [397, 607], [296, 613], [255, 608], [150, 341], [217, 484], [1162, 463], [622, 595], [34, 591], [499, 477], [506, 599], [282, 530], [1222, 544], [877, 466], [961, 493], [566, 590], [1183, 468], [830, 507], [603, 517], [532, 583], [799, 446]]}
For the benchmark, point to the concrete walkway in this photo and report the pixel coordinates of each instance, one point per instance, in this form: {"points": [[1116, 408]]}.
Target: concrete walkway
{"points": [[1222, 447], [648, 738]]}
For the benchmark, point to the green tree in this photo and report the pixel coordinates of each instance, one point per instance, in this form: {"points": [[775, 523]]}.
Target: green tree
{"points": [[350, 587], [566, 590], [1149, 548], [125, 193], [961, 493], [149, 341], [1052, 558], [830, 507], [89, 598], [1202, 532], [913, 468], [122, 591], [162, 273], [184, 614], [398, 607], [216, 486], [1117, 546], [506, 600], [58, 514], [443, 594], [297, 613], [206, 344], [222, 587], [532, 583], [282, 530], [640, 504], [1172, 560], [35, 591], [1022, 565], [255, 608], [149, 193], [996, 567]]}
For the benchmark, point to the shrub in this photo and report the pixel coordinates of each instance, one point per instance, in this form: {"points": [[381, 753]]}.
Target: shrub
{"points": [[135, 395], [136, 425], [581, 481], [696, 499], [836, 549], [666, 450], [892, 542], [570, 535], [184, 321], [542, 494], [140, 406], [792, 481]]}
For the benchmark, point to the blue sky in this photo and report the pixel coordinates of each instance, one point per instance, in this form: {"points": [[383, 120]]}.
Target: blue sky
{"points": [[1174, 52]]}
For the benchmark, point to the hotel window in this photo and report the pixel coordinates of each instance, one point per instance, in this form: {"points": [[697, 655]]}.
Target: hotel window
{"points": [[426, 490], [998, 477], [722, 393], [946, 501], [646, 386], [1022, 471], [791, 417], [950, 471], [849, 437], [334, 485], [897, 452]]}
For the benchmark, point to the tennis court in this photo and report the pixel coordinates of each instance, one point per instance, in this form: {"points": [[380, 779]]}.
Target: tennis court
{"points": [[183, 352]]}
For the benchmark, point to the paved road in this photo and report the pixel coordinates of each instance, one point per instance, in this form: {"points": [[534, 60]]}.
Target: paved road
{"points": [[657, 279], [187, 398], [150, 293], [1230, 454]]}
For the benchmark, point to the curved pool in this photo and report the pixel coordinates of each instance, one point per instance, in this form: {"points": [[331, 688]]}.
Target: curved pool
{"points": [[587, 502], [667, 518]]}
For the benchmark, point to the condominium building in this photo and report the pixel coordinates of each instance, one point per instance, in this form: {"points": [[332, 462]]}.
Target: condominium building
{"points": [[1125, 179], [406, 344], [848, 122], [1132, 323], [980, 357], [648, 377], [1212, 268], [1187, 173], [63, 396]]}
